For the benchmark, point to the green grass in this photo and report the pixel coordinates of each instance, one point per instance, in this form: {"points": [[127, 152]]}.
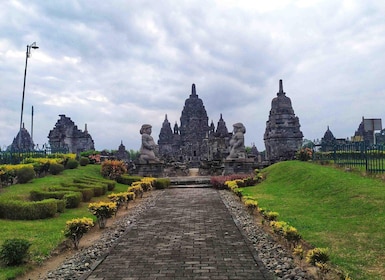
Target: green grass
{"points": [[45, 235], [343, 211]]}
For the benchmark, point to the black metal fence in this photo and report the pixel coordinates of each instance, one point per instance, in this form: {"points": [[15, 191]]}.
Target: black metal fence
{"points": [[17, 156], [370, 158]]}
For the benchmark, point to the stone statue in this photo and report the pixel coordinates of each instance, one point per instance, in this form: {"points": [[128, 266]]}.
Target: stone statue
{"points": [[237, 142], [147, 150]]}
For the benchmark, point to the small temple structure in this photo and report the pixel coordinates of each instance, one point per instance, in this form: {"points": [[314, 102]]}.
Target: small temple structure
{"points": [[23, 141], [283, 136], [66, 135]]}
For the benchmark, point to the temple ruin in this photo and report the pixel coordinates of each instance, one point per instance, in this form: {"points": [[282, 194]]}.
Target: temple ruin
{"points": [[66, 135]]}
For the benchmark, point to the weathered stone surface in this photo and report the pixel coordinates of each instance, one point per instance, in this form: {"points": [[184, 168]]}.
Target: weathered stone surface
{"points": [[194, 140], [282, 137], [66, 134], [23, 144], [148, 149], [122, 153]]}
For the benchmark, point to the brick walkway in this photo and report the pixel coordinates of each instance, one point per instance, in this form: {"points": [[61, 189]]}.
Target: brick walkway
{"points": [[187, 234]]}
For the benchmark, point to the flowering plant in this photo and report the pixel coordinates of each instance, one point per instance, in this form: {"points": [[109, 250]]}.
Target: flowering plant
{"points": [[103, 211], [76, 228]]}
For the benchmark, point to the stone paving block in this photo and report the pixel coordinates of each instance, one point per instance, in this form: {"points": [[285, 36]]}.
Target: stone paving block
{"points": [[187, 234]]}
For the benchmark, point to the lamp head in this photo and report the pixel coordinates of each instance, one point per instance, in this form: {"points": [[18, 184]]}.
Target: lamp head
{"points": [[33, 45]]}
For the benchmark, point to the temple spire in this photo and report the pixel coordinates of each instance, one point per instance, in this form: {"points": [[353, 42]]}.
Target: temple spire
{"points": [[280, 92], [193, 91]]}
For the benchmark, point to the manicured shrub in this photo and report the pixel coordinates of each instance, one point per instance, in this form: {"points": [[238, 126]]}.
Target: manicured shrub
{"points": [[127, 179], [14, 251], [119, 198], [251, 205], [110, 184], [317, 255], [37, 195], [161, 183], [103, 211], [113, 169], [61, 205], [25, 174], [76, 228], [72, 164], [56, 168], [138, 190], [84, 161], [24, 210], [72, 199], [270, 215]]}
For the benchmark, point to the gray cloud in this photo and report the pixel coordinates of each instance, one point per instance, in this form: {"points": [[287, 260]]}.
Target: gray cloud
{"points": [[115, 65]]}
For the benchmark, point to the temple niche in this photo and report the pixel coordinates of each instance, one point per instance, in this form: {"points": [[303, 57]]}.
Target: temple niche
{"points": [[282, 136], [194, 140], [66, 135]]}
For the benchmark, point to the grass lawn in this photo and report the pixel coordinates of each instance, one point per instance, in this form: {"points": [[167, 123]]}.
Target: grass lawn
{"points": [[46, 234], [343, 211]]}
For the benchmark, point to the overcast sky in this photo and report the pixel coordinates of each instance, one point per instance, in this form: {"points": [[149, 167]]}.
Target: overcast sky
{"points": [[115, 65]]}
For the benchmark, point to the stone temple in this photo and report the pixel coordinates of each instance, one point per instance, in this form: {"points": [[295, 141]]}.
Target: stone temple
{"points": [[194, 140], [22, 141], [283, 136], [66, 135]]}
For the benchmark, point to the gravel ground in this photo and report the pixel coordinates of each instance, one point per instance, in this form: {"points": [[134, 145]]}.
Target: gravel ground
{"points": [[275, 257]]}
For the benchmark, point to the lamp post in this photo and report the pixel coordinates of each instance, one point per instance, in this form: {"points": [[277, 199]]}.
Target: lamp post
{"points": [[27, 54]]}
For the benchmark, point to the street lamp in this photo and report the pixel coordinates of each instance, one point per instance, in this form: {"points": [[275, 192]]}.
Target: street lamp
{"points": [[27, 55]]}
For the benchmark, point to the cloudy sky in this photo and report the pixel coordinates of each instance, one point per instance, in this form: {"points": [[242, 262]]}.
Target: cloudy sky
{"points": [[115, 65]]}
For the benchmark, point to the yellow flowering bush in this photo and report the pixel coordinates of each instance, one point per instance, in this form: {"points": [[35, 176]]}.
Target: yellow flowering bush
{"points": [[289, 232], [137, 189], [103, 210], [251, 204], [317, 255], [121, 198], [76, 228]]}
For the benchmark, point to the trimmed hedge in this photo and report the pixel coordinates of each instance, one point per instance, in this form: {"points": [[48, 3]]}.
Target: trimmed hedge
{"points": [[86, 194], [25, 174], [161, 183], [69, 199], [128, 180], [23, 210], [88, 180], [72, 199], [72, 164], [56, 168]]}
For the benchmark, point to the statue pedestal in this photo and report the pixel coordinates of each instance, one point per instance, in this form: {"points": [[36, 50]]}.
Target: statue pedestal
{"points": [[149, 169], [238, 165]]}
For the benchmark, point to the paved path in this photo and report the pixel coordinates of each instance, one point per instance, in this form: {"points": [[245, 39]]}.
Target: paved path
{"points": [[187, 234]]}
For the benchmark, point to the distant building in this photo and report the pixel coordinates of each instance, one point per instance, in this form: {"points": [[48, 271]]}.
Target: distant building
{"points": [[66, 134], [122, 153], [328, 141], [283, 136], [23, 144]]}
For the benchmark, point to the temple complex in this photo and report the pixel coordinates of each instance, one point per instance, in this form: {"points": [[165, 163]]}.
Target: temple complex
{"points": [[283, 136], [66, 135], [194, 140]]}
